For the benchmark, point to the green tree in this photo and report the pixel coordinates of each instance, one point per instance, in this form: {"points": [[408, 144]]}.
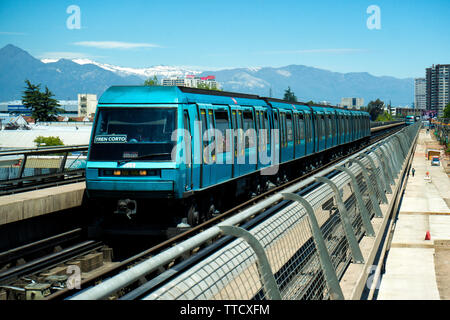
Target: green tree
{"points": [[375, 108], [43, 107], [48, 141], [206, 86], [289, 95], [385, 116], [151, 81], [447, 111], [311, 103]]}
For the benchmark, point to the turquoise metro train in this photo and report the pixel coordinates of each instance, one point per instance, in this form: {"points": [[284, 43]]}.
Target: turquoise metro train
{"points": [[185, 154]]}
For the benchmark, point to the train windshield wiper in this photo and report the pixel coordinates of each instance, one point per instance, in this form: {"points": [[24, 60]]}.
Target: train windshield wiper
{"points": [[149, 156]]}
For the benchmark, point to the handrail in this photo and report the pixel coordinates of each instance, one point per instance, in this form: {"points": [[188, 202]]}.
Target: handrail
{"points": [[43, 150]]}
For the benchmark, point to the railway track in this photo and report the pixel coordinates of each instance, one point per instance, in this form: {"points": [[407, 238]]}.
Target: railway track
{"points": [[37, 269], [131, 294]]}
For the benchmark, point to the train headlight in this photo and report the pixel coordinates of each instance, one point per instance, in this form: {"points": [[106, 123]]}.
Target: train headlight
{"points": [[142, 172], [117, 172]]}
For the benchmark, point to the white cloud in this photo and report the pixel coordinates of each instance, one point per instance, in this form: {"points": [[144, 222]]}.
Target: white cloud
{"points": [[115, 45]]}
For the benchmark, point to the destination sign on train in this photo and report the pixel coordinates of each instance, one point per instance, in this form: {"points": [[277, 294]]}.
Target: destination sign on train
{"points": [[111, 138]]}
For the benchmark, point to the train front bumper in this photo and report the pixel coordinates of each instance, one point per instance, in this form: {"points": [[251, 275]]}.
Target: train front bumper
{"points": [[130, 189]]}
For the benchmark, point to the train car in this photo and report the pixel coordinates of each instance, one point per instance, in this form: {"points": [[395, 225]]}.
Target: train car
{"points": [[410, 120], [192, 151]]}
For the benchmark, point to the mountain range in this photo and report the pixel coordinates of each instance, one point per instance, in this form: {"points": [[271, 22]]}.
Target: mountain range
{"points": [[66, 78]]}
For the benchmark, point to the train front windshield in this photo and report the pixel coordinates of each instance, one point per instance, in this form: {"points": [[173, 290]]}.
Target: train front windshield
{"points": [[133, 133]]}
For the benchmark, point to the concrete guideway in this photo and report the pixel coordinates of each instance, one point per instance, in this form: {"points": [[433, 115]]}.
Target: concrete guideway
{"points": [[30, 204], [417, 268]]}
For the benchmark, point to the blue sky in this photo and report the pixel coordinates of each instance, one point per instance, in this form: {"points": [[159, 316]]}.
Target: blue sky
{"points": [[332, 35]]}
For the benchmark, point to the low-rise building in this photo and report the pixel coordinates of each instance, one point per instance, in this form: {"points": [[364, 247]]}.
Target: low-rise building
{"points": [[192, 81]]}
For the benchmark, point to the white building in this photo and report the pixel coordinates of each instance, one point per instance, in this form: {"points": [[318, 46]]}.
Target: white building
{"points": [[192, 81], [87, 104], [352, 103], [420, 93]]}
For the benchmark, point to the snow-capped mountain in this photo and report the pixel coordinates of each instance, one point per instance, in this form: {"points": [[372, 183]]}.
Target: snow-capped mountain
{"points": [[66, 78], [144, 73]]}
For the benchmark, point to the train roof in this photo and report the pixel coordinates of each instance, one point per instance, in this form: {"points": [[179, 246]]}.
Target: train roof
{"points": [[132, 95], [136, 95]]}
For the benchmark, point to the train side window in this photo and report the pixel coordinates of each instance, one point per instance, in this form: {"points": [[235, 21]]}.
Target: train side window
{"points": [[266, 127], [307, 127], [235, 128], [223, 124], [248, 125], [324, 128], [345, 125], [289, 127], [319, 127], [295, 124], [257, 120], [213, 138], [275, 120], [333, 124], [187, 137], [204, 133], [241, 136], [297, 128], [301, 127], [283, 128], [349, 124]]}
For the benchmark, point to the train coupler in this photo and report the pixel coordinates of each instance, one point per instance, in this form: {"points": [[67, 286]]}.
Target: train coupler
{"points": [[127, 207]]}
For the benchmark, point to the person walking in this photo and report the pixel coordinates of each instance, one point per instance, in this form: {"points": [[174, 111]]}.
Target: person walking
{"points": [[413, 171]]}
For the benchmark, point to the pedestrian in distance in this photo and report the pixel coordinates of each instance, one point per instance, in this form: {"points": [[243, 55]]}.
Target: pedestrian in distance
{"points": [[413, 171]]}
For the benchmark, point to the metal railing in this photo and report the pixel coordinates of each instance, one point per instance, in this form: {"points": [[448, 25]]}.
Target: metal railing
{"points": [[374, 124], [300, 251], [22, 167]]}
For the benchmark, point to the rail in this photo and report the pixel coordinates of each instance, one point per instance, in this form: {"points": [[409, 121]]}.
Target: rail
{"points": [[298, 251]]}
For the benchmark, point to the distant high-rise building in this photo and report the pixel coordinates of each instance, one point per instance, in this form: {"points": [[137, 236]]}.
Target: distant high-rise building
{"points": [[420, 93], [87, 104], [352, 103], [437, 88]]}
